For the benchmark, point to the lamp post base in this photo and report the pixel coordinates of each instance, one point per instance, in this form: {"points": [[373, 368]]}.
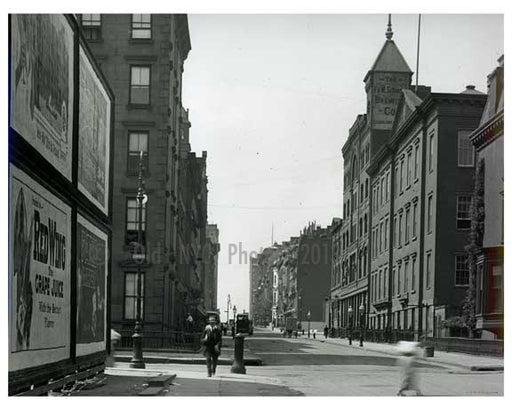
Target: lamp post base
{"points": [[137, 361], [238, 362]]}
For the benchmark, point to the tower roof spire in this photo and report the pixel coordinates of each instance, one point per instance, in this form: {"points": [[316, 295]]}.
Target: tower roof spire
{"points": [[389, 32]]}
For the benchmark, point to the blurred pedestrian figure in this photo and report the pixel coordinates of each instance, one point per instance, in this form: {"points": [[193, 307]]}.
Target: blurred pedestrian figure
{"points": [[408, 352], [326, 331], [314, 333], [212, 342], [114, 340]]}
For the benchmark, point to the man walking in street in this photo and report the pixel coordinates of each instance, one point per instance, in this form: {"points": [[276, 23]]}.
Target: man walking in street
{"points": [[326, 331], [212, 342]]}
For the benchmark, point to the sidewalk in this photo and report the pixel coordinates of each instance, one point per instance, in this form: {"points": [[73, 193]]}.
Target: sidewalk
{"points": [[187, 380], [461, 360]]}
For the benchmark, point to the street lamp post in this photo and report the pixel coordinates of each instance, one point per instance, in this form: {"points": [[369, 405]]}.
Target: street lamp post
{"points": [[300, 311], [350, 323], [137, 360], [361, 323], [234, 320], [309, 322]]}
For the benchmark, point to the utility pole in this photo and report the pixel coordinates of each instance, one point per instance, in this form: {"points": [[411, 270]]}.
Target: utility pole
{"points": [[227, 308]]}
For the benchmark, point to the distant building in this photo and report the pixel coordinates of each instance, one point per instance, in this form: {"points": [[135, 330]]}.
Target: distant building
{"points": [[334, 294], [313, 278], [488, 140]]}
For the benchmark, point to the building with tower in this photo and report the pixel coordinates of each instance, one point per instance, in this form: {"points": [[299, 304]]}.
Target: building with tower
{"points": [[408, 175]]}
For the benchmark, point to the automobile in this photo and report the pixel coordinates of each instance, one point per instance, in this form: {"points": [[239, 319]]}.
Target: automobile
{"points": [[242, 323]]}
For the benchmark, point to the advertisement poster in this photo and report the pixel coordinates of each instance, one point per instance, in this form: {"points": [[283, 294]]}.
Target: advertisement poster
{"points": [[92, 257], [42, 85], [386, 94], [39, 274], [94, 136]]}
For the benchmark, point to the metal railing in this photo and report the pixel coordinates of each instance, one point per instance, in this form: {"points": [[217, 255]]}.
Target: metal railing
{"points": [[170, 341]]}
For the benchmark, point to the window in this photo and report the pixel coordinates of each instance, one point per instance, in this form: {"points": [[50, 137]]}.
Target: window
{"points": [[137, 142], [380, 284], [466, 150], [140, 85], [382, 190], [409, 157], [414, 219], [141, 26], [461, 270], [381, 231], [132, 221], [416, 160], [413, 273], [401, 175], [386, 234], [407, 224], [396, 181], [387, 186], [406, 276], [429, 267], [400, 230], [429, 214], [385, 282], [399, 278], [130, 295], [431, 151], [464, 212], [91, 26], [395, 233], [365, 223]]}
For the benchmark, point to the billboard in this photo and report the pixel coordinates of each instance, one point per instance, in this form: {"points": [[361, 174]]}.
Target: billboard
{"points": [[39, 274], [92, 254], [42, 85], [94, 136]]}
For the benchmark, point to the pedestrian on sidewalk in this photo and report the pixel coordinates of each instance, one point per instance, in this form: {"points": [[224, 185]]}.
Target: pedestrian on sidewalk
{"points": [[212, 342], [326, 331], [314, 333], [408, 352]]}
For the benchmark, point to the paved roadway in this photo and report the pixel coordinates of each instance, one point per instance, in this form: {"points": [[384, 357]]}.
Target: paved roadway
{"points": [[296, 367], [316, 368]]}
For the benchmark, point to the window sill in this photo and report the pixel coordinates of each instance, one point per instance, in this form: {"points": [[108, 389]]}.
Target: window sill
{"points": [[141, 41], [132, 106]]}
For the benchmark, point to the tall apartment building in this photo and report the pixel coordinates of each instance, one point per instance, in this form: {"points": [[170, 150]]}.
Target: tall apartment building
{"points": [[142, 57], [407, 194]]}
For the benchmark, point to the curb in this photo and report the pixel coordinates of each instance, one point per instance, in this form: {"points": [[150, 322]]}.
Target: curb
{"points": [[249, 361], [431, 362]]}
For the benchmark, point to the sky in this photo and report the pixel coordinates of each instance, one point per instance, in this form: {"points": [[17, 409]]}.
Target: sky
{"points": [[272, 97]]}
